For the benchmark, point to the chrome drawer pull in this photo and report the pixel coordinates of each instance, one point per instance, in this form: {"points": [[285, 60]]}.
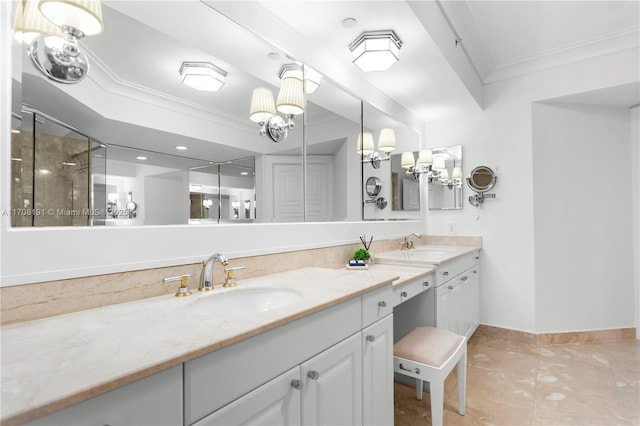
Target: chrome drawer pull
{"points": [[403, 294], [313, 375], [382, 304], [296, 384], [426, 283], [450, 287], [415, 370], [445, 273], [371, 338], [464, 278]]}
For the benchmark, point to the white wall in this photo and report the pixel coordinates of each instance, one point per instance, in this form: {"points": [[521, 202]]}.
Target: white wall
{"points": [[501, 137], [635, 171], [582, 217]]}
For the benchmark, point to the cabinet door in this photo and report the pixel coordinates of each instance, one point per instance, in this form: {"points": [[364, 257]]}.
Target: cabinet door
{"points": [[153, 401], [443, 307], [377, 373], [332, 390], [275, 403], [474, 283]]}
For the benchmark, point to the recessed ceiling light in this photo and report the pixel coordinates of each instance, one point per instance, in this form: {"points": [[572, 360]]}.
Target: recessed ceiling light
{"points": [[349, 22], [273, 56], [181, 148], [141, 157]]}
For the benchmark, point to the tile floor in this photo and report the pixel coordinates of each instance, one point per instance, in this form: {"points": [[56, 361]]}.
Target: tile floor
{"points": [[524, 384]]}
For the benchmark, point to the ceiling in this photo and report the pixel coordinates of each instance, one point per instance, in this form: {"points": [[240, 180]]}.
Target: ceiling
{"points": [[139, 54]]}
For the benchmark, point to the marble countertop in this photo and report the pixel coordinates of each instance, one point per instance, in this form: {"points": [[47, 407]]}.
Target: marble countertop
{"points": [[424, 255], [52, 363]]}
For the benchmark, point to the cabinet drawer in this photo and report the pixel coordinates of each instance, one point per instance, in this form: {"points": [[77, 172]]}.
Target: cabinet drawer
{"points": [[407, 291], [376, 304], [465, 262], [443, 273]]}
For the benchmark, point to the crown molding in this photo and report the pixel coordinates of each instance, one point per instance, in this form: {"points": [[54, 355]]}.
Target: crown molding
{"points": [[576, 52]]}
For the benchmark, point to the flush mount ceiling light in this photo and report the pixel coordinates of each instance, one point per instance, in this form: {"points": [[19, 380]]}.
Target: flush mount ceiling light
{"points": [[290, 103], [310, 77], [203, 76], [60, 58], [376, 50]]}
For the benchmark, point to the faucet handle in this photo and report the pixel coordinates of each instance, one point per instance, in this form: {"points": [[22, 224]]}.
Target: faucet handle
{"points": [[183, 290], [230, 281]]}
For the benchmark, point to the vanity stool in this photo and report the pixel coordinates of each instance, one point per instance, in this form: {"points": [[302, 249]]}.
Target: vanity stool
{"points": [[429, 354]]}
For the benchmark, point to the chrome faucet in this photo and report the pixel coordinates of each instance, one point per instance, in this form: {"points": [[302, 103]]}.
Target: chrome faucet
{"points": [[206, 275], [406, 243]]}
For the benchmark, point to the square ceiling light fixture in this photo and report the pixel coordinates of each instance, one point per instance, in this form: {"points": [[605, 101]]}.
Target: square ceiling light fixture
{"points": [[376, 50], [203, 76]]}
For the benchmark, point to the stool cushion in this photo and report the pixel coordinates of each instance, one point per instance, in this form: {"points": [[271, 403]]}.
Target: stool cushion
{"points": [[427, 345]]}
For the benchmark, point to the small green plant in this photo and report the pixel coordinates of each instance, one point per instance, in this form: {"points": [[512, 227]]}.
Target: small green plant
{"points": [[361, 254]]}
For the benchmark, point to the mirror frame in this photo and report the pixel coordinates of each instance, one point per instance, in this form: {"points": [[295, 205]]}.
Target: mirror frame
{"points": [[66, 253], [376, 183], [481, 170]]}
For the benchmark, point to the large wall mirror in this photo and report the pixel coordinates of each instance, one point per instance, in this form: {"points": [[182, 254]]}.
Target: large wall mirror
{"points": [[445, 179], [383, 142], [131, 134]]}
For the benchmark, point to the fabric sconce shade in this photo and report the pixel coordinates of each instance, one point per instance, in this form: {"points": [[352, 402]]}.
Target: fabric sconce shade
{"points": [[83, 15], [29, 22], [408, 160], [263, 107], [291, 96], [425, 158], [387, 140], [365, 144]]}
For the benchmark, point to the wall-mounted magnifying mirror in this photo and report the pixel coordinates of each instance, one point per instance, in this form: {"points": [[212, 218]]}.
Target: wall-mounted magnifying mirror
{"points": [[445, 178], [482, 179], [374, 185]]}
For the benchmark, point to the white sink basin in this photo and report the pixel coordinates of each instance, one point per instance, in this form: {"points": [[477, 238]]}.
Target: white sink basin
{"points": [[240, 301], [432, 251]]}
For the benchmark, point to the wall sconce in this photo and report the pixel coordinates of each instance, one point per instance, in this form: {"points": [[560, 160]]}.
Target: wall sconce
{"points": [[202, 76], [290, 103], [375, 50], [386, 144], [416, 168], [60, 58]]}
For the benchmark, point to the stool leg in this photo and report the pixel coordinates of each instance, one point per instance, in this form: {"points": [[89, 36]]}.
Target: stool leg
{"points": [[436, 388], [462, 383], [419, 388]]}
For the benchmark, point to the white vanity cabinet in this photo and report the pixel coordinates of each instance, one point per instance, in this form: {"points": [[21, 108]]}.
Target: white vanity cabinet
{"points": [[332, 385], [155, 400], [277, 402], [377, 373], [458, 295], [338, 370]]}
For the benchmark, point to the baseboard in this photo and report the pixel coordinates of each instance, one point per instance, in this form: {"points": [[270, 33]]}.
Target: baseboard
{"points": [[544, 339]]}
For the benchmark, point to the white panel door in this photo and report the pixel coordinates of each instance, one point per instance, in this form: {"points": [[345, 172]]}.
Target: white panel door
{"points": [[275, 403], [319, 184], [288, 202], [332, 391], [377, 373]]}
